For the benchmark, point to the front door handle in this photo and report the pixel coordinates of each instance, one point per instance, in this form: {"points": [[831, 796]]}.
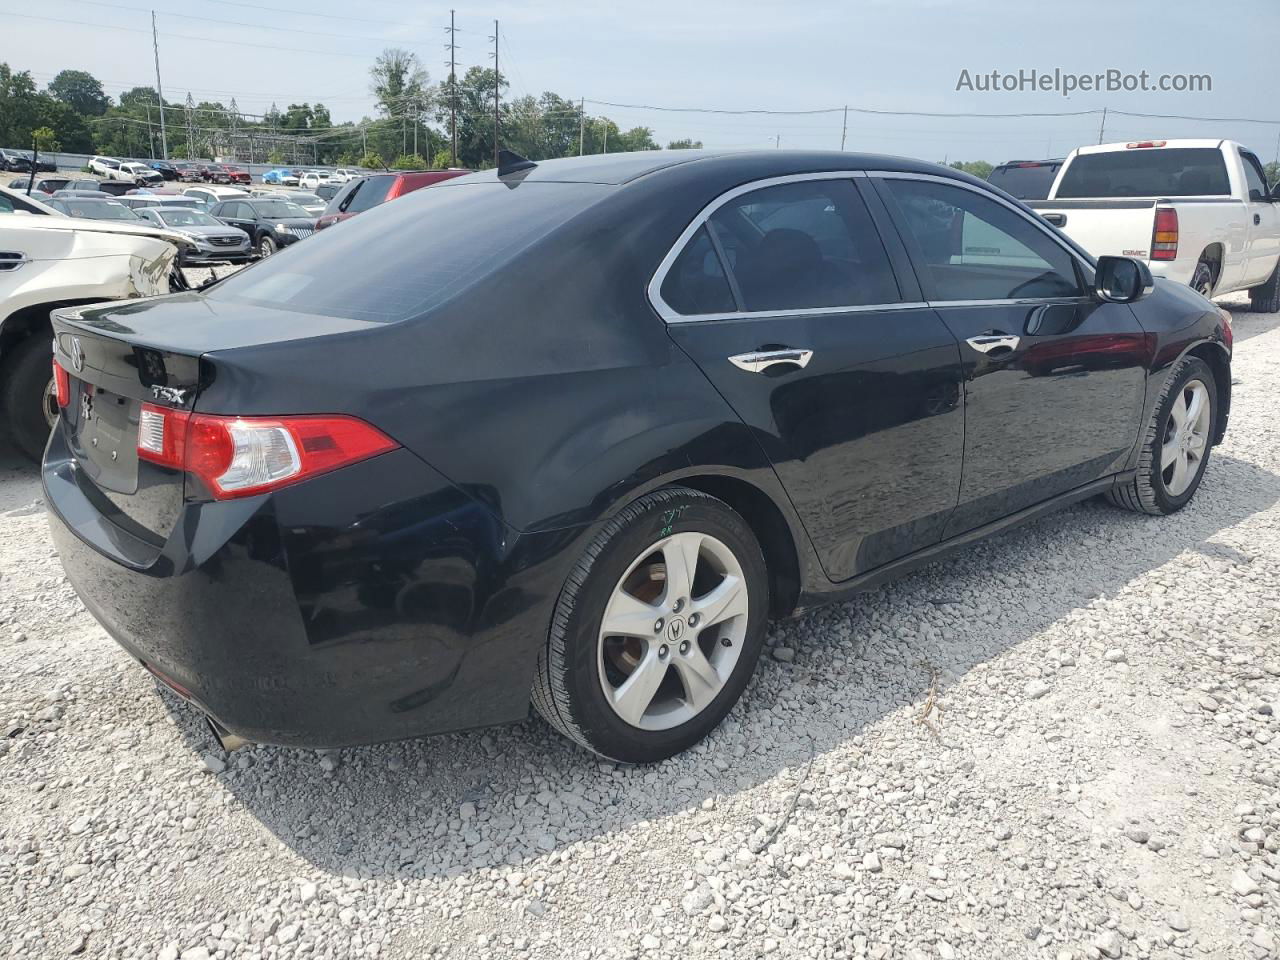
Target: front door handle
{"points": [[990, 342], [1257, 219], [761, 360]]}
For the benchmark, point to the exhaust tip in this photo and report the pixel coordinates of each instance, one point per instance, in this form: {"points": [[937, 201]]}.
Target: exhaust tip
{"points": [[230, 742]]}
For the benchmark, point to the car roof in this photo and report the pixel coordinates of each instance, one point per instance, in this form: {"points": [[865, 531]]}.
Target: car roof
{"points": [[622, 168]]}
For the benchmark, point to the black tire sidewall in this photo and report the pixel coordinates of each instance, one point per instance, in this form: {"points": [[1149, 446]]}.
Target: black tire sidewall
{"points": [[27, 372], [1192, 369], [603, 728], [1204, 269]]}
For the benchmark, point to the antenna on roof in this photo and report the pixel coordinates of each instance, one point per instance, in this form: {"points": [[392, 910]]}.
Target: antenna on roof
{"points": [[510, 162]]}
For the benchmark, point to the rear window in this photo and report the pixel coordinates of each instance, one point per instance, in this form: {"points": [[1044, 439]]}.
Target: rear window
{"points": [[1025, 182], [368, 193], [1147, 172], [404, 258]]}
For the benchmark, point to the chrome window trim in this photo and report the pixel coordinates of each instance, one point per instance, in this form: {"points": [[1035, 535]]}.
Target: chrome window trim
{"points": [[669, 315], [14, 261]]}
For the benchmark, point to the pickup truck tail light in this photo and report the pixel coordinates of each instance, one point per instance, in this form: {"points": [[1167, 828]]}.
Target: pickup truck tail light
{"points": [[243, 456], [1144, 144], [1164, 239]]}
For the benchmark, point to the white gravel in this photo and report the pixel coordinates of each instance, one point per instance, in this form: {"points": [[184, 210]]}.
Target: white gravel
{"points": [[1097, 777]]}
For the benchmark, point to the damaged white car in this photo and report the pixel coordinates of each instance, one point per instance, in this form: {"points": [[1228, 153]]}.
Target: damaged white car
{"points": [[48, 260]]}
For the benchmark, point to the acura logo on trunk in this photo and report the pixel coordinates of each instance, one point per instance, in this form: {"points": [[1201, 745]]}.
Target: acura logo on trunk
{"points": [[77, 354]]}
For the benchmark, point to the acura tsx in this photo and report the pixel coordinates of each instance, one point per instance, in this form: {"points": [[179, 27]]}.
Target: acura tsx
{"points": [[573, 432]]}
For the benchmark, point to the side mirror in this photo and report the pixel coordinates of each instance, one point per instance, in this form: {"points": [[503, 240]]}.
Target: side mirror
{"points": [[1121, 280]]}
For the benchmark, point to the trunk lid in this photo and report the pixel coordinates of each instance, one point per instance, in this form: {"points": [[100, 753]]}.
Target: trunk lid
{"points": [[1103, 227], [122, 355]]}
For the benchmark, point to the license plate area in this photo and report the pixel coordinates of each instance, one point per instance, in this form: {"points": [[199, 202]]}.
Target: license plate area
{"points": [[104, 436]]}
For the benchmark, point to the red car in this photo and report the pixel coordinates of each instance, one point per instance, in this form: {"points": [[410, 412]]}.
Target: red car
{"points": [[378, 188], [235, 174]]}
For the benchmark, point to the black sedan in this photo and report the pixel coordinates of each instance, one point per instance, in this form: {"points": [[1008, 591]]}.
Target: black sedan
{"points": [[270, 224], [572, 433]]}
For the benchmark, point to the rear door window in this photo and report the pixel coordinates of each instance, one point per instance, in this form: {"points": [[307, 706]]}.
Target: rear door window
{"points": [[1029, 181], [696, 283], [1147, 172], [804, 245]]}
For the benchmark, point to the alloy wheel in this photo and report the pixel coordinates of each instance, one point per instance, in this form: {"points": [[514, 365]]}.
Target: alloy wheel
{"points": [[49, 403], [1186, 437], [673, 631]]}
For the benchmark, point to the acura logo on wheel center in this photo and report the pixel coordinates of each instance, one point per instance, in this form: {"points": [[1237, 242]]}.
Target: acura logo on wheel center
{"points": [[675, 630], [77, 354]]}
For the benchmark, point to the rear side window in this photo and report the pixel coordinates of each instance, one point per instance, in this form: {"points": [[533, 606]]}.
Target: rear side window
{"points": [[696, 282], [404, 258], [1253, 177], [369, 193], [1147, 172], [804, 245], [1025, 181]]}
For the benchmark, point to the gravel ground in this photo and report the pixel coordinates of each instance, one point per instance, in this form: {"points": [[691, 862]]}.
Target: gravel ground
{"points": [[1058, 744]]}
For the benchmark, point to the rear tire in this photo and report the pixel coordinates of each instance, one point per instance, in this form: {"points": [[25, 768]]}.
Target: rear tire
{"points": [[30, 403], [697, 638], [1202, 279], [1176, 445], [1266, 297]]}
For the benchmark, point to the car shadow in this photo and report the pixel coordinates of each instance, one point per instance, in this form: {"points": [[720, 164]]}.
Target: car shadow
{"points": [[394, 809], [1245, 325]]}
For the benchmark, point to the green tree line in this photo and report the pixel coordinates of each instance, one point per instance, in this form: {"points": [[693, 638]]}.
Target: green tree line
{"points": [[412, 126]]}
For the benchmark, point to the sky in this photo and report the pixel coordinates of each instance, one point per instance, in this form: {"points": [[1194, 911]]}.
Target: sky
{"points": [[732, 55]]}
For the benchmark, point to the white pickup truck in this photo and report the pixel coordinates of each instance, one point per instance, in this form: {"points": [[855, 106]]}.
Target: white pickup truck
{"points": [[1197, 211]]}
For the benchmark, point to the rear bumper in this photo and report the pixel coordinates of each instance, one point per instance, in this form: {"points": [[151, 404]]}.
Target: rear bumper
{"points": [[374, 603]]}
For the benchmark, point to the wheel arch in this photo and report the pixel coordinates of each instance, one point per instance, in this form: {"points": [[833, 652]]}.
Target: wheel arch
{"points": [[1219, 361], [31, 320], [1212, 255], [767, 521]]}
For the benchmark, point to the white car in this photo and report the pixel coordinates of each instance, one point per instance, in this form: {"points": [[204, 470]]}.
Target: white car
{"points": [[312, 179], [47, 261], [138, 173], [104, 167], [344, 174], [208, 196], [1197, 211]]}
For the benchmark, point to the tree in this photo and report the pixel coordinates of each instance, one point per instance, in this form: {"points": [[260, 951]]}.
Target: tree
{"points": [[1272, 171], [400, 82], [978, 168], [42, 138], [411, 161], [373, 161], [685, 144], [81, 91]]}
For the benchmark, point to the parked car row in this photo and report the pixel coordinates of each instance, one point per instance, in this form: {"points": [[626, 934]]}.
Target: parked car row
{"points": [[21, 161]]}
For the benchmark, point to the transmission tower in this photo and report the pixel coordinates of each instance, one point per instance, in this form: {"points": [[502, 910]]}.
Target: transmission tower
{"points": [[452, 64], [190, 111]]}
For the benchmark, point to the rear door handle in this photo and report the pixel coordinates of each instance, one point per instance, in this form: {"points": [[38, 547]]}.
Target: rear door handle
{"points": [[761, 360], [990, 342]]}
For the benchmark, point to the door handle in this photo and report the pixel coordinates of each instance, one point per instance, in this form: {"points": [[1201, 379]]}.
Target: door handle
{"points": [[1257, 219], [759, 361], [990, 342]]}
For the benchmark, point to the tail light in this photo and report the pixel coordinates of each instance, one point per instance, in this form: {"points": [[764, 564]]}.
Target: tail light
{"points": [[62, 384], [1164, 239], [243, 456], [1144, 144]]}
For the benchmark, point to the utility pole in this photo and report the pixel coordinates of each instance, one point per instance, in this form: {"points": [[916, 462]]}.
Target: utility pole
{"points": [[582, 124], [364, 141], [151, 137], [777, 141], [844, 130], [1102, 129], [155, 42], [415, 129], [606, 136], [497, 87], [452, 47]]}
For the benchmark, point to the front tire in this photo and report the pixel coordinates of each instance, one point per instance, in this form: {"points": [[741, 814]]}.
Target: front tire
{"points": [[266, 246], [1177, 443], [1266, 297], [30, 401], [657, 630]]}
